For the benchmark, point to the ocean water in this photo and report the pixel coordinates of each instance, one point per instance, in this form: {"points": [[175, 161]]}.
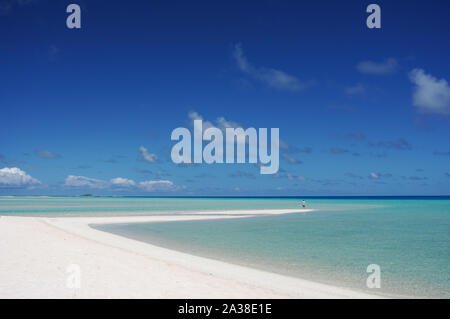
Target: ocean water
{"points": [[130, 206], [408, 238]]}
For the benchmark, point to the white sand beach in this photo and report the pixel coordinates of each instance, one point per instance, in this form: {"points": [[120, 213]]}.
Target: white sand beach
{"points": [[36, 251]]}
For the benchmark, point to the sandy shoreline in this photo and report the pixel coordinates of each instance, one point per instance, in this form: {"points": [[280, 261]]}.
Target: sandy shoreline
{"points": [[36, 251]]}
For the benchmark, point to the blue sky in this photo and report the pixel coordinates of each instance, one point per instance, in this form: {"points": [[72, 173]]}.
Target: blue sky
{"points": [[360, 111]]}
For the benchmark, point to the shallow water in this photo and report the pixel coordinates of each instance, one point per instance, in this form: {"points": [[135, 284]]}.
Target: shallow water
{"points": [[130, 206], [408, 239]]}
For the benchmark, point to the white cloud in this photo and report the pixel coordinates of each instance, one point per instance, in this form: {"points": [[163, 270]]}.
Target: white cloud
{"points": [[15, 177], [122, 182], [291, 177], [290, 159], [356, 89], [46, 154], [7, 6], [221, 122], [146, 156], [295, 177], [271, 77], [430, 94], [205, 124], [161, 185], [119, 183], [82, 181], [24, 2], [378, 68], [374, 176]]}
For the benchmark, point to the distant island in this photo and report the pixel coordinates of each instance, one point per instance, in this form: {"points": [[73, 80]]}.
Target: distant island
{"points": [[86, 195]]}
